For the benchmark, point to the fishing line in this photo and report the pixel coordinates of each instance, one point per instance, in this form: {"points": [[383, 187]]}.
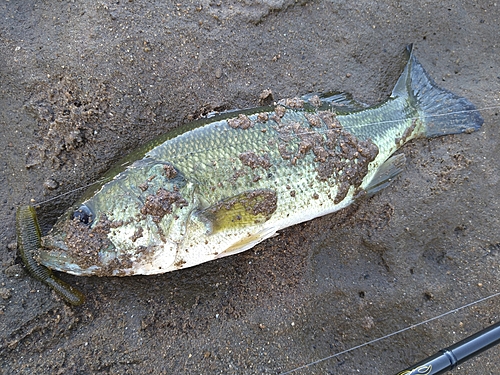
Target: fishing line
{"points": [[417, 118], [391, 334], [38, 204]]}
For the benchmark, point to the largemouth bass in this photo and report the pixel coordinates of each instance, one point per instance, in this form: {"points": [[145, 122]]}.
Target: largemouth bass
{"points": [[232, 181]]}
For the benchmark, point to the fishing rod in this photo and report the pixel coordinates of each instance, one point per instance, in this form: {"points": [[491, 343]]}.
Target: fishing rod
{"points": [[449, 358], [480, 345]]}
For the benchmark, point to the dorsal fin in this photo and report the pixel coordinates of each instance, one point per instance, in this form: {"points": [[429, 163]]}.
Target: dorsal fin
{"points": [[338, 102]]}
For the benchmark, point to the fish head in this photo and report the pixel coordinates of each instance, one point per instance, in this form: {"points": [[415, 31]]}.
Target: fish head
{"points": [[131, 225], [71, 246]]}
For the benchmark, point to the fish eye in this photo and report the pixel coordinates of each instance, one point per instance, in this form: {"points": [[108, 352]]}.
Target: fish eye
{"points": [[83, 214]]}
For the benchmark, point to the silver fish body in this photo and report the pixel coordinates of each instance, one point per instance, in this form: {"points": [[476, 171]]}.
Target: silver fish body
{"points": [[221, 188]]}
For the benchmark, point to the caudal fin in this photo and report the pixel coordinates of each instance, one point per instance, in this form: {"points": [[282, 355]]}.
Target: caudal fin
{"points": [[442, 111]]}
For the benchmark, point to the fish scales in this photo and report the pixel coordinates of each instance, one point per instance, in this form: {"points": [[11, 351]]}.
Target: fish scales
{"points": [[217, 168], [230, 182]]}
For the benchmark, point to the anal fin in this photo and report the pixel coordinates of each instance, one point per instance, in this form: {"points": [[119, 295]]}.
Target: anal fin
{"points": [[386, 173]]}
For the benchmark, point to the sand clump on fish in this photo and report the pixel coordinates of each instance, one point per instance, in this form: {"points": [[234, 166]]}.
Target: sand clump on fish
{"points": [[221, 185]]}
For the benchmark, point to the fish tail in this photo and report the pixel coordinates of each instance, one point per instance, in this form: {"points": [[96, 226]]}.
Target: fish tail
{"points": [[441, 111]]}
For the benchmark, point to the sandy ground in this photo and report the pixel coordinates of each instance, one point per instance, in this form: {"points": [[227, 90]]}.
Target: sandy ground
{"points": [[81, 83]]}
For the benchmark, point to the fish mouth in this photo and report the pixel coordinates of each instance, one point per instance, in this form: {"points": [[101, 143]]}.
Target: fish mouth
{"points": [[55, 255]]}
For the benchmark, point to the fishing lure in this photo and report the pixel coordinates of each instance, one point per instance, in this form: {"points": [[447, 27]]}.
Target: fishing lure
{"points": [[28, 241]]}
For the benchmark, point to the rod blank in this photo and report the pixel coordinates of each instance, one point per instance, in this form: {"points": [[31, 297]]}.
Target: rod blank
{"points": [[447, 359]]}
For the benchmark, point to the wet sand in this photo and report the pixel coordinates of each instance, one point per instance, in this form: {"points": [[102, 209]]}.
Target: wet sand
{"points": [[83, 83]]}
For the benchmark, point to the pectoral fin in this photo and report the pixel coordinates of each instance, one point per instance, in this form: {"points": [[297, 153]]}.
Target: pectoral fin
{"points": [[245, 209]]}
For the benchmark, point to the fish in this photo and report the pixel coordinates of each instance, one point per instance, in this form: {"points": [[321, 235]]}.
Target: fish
{"points": [[220, 186]]}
